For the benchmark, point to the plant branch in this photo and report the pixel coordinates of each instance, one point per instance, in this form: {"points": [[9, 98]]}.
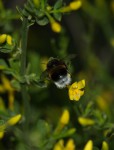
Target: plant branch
{"points": [[25, 96]]}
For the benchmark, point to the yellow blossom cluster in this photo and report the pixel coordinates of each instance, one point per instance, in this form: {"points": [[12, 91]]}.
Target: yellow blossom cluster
{"points": [[5, 38], [61, 146], [70, 145]]}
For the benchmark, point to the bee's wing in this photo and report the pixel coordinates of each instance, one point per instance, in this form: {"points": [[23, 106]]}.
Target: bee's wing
{"points": [[42, 82]]}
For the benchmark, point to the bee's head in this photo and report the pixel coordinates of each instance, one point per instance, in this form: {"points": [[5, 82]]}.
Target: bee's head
{"points": [[52, 63]]}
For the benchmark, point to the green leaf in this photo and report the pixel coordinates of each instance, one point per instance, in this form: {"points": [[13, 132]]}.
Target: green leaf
{"points": [[15, 65], [43, 21], [3, 63], [57, 16], [5, 49], [58, 4], [15, 84], [28, 10], [20, 11], [41, 84]]}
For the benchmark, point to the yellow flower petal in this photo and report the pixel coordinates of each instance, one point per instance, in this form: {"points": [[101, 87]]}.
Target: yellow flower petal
{"points": [[75, 5], [81, 84], [65, 117], [9, 39], [14, 120], [105, 146], [2, 38], [1, 135], [89, 145], [59, 145], [70, 145], [56, 27], [85, 121], [102, 103], [6, 84], [74, 85]]}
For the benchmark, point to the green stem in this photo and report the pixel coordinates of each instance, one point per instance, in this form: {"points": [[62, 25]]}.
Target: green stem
{"points": [[25, 96]]}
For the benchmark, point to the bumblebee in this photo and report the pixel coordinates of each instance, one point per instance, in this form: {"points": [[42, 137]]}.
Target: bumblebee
{"points": [[57, 71]]}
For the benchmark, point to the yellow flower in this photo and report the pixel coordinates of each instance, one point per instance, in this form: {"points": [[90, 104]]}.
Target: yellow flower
{"points": [[89, 145], [1, 135], [5, 38], [64, 120], [75, 90], [60, 145], [75, 5], [85, 121], [72, 6], [65, 117], [6, 87], [9, 39], [2, 38], [56, 27], [105, 146], [70, 145], [13, 120], [102, 103], [6, 84]]}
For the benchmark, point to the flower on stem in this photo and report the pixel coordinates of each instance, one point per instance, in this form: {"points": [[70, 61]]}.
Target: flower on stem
{"points": [[12, 121], [75, 5], [9, 39], [65, 117], [89, 145], [105, 146], [70, 145], [64, 120], [56, 27], [60, 145], [75, 90], [72, 6], [85, 121]]}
